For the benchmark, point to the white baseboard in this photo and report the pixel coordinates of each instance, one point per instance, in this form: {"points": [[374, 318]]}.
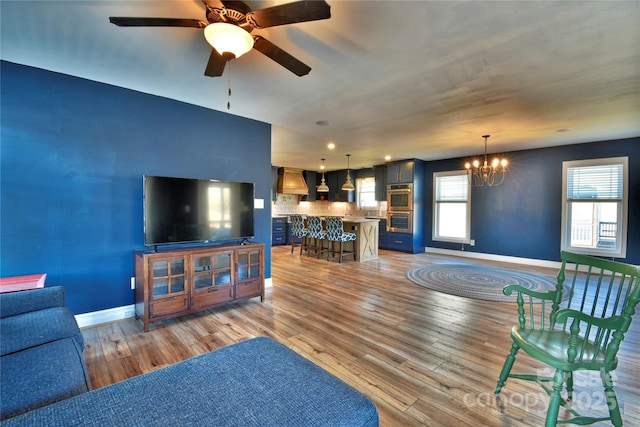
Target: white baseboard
{"points": [[499, 258], [103, 316], [118, 313]]}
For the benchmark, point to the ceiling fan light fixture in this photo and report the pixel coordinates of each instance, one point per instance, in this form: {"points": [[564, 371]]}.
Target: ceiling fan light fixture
{"points": [[228, 38]]}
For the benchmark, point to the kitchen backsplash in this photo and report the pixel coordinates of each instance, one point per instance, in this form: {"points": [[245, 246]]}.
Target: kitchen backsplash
{"points": [[288, 204]]}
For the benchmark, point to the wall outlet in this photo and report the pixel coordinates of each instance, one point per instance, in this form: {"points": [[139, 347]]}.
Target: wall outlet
{"points": [[472, 243], [133, 283]]}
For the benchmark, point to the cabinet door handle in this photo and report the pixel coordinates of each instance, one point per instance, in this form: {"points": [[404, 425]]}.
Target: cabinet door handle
{"points": [[213, 289]]}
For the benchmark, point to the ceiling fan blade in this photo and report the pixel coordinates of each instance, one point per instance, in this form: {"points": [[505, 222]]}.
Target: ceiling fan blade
{"points": [[216, 64], [272, 51], [289, 13], [213, 4], [156, 22]]}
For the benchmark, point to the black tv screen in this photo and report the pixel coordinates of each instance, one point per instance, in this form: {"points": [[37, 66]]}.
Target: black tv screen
{"points": [[183, 210]]}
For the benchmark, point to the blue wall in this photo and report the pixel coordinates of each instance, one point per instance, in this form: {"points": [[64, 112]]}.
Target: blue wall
{"points": [[522, 217], [73, 155]]}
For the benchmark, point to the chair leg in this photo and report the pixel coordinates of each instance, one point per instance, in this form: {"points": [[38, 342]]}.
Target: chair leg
{"points": [[353, 250], [303, 242], [305, 245], [316, 248], [506, 368], [341, 248], [308, 246], [554, 403], [331, 249], [612, 400], [569, 386]]}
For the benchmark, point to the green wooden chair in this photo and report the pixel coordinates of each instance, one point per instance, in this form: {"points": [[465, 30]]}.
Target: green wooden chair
{"points": [[583, 332]]}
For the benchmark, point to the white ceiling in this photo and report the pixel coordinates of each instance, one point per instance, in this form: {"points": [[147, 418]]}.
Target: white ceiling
{"points": [[421, 79]]}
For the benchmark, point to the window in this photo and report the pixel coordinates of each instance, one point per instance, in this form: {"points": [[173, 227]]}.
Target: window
{"points": [[366, 193], [594, 208], [451, 207]]}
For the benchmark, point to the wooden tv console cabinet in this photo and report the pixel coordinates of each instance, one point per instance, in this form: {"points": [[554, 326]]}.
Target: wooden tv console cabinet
{"points": [[175, 282]]}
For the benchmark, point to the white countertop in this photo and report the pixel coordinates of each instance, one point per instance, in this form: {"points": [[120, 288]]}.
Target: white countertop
{"points": [[359, 219]]}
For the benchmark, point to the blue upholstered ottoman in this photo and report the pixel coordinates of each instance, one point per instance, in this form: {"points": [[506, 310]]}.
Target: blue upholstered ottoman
{"points": [[258, 382]]}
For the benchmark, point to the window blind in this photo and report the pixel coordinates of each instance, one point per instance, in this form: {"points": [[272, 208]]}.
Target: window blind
{"points": [[595, 182], [452, 188]]}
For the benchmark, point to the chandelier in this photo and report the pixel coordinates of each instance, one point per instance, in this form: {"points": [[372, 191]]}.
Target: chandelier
{"points": [[485, 173]]}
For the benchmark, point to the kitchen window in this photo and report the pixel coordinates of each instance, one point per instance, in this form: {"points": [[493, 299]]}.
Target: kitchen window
{"points": [[594, 208], [366, 193], [451, 207]]}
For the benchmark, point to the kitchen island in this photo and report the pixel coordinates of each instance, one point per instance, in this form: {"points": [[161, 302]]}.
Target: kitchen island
{"points": [[366, 229]]}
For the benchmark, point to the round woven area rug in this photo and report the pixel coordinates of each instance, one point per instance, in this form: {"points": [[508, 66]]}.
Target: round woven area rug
{"points": [[478, 282]]}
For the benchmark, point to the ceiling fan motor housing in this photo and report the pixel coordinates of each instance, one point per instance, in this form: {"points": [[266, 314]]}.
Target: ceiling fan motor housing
{"points": [[234, 12]]}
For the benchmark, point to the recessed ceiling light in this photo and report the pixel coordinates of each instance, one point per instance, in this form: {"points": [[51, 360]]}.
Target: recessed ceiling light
{"points": [[323, 122], [331, 146], [387, 158]]}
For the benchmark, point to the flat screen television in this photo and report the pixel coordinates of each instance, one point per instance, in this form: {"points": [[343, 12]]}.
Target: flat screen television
{"points": [[184, 210]]}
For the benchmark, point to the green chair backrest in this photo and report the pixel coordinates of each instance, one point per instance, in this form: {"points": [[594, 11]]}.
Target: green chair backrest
{"points": [[600, 289], [602, 297]]}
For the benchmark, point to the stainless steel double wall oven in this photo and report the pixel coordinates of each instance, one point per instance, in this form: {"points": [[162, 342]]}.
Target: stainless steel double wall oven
{"points": [[400, 208]]}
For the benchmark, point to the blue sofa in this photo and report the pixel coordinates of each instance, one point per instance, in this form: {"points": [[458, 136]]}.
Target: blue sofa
{"points": [[258, 382], [41, 346]]}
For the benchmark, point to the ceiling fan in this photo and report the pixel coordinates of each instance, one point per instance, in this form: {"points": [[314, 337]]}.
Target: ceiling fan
{"points": [[230, 22]]}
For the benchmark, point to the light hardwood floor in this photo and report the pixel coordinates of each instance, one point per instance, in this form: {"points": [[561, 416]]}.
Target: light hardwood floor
{"points": [[423, 357]]}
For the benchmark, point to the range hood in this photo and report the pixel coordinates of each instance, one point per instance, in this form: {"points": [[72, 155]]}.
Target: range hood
{"points": [[291, 181]]}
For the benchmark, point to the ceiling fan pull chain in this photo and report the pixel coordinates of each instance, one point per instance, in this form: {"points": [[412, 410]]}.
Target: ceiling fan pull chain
{"points": [[229, 83]]}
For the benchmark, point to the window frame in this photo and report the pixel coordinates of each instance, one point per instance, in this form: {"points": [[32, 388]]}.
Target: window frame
{"points": [[620, 249], [359, 192], [435, 225]]}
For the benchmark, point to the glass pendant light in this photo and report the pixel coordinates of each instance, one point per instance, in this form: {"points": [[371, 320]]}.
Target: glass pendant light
{"points": [[228, 39]]}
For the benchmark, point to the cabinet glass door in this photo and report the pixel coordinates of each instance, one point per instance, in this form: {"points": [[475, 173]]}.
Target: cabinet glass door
{"points": [[212, 270], [248, 265], [168, 276]]}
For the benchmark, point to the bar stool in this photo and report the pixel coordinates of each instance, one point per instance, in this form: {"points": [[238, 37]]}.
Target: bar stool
{"points": [[336, 233], [315, 232], [298, 231]]}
